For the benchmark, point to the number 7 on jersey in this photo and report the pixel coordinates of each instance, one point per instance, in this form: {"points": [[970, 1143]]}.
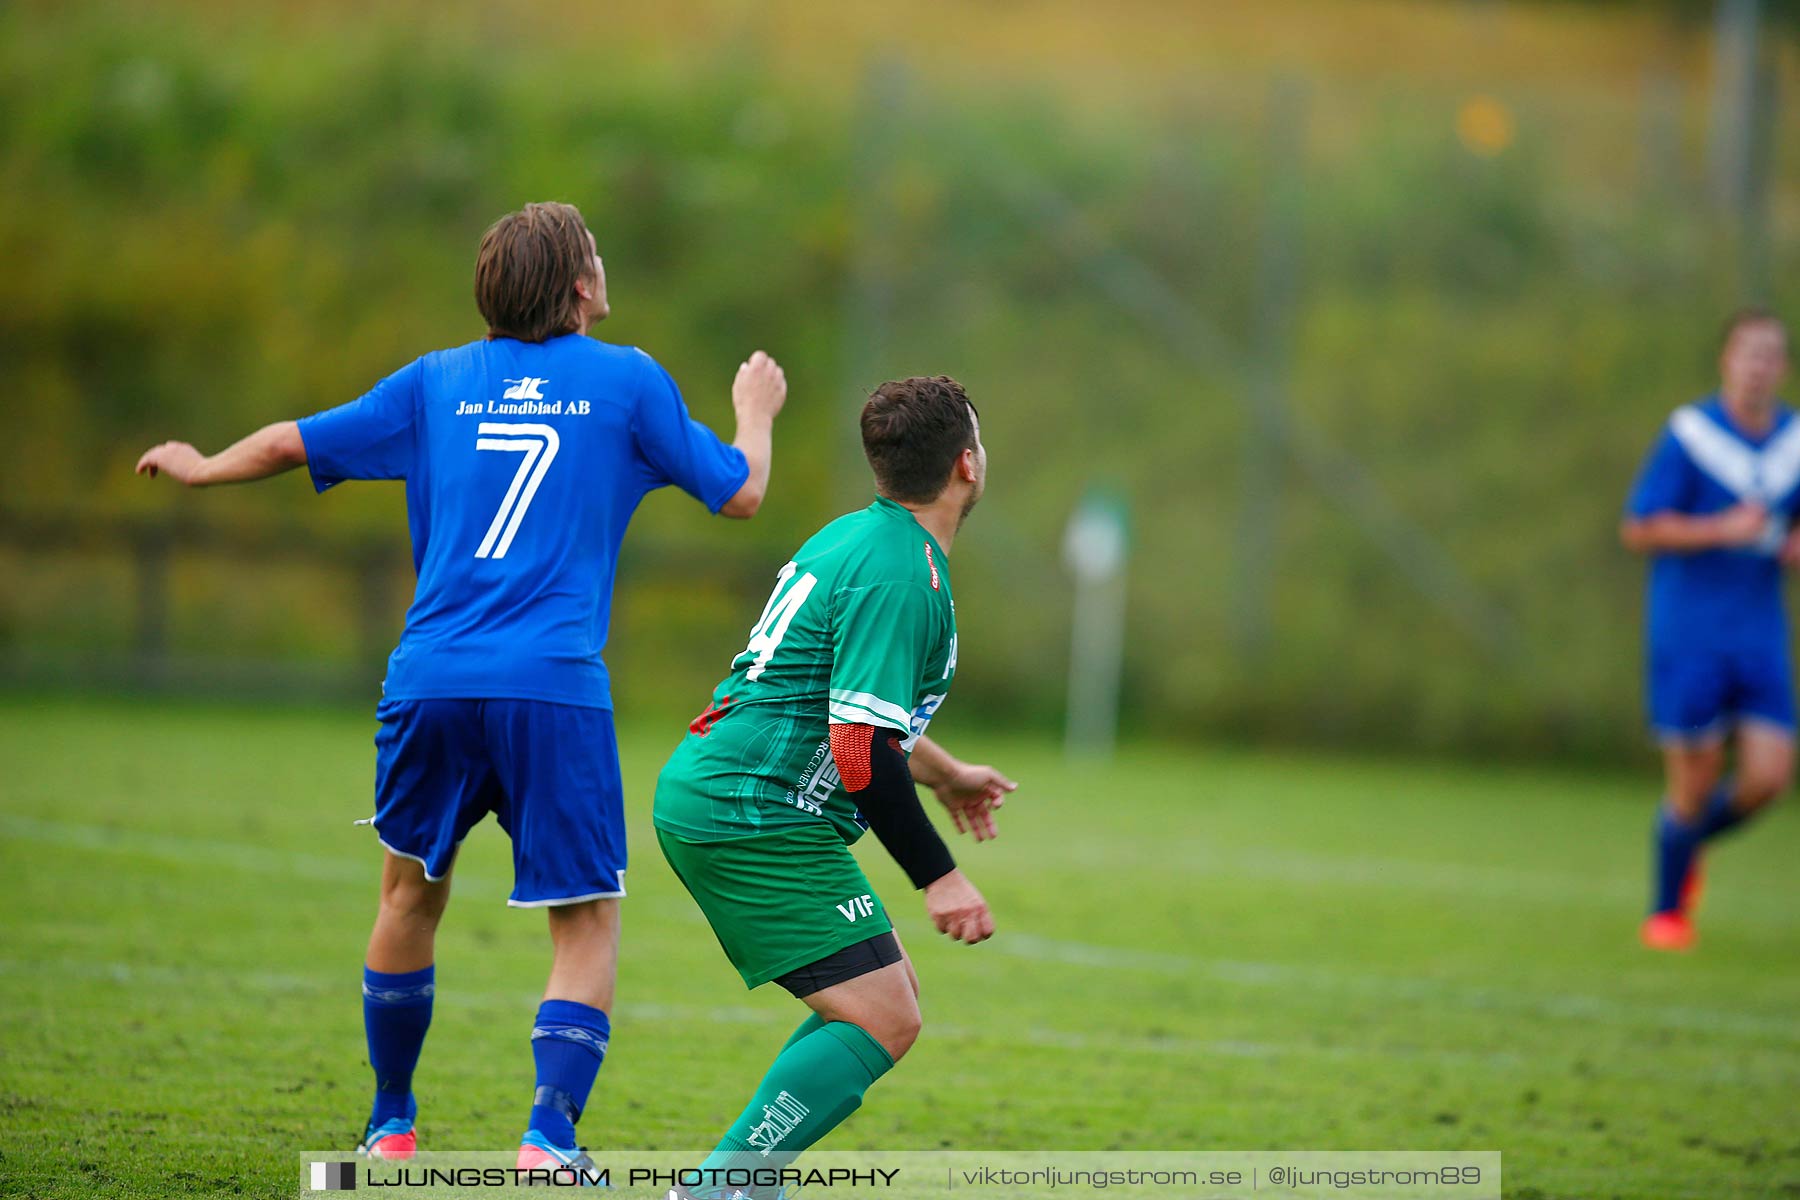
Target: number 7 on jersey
{"points": [[538, 444]]}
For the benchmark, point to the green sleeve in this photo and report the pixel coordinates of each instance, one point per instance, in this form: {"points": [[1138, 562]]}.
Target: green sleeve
{"points": [[880, 637]]}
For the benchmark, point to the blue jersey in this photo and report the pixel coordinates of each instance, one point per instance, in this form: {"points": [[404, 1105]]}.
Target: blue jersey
{"points": [[1703, 463], [523, 463]]}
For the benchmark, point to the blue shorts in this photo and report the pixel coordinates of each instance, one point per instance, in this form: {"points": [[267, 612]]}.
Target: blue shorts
{"points": [[548, 772], [1697, 694]]}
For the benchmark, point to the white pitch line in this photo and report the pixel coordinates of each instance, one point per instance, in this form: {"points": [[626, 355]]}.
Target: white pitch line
{"points": [[1037, 1036], [1510, 884], [235, 856], [1280, 976], [1537, 888], [1288, 977]]}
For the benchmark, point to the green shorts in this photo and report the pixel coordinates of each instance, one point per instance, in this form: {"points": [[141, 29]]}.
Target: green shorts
{"points": [[778, 901]]}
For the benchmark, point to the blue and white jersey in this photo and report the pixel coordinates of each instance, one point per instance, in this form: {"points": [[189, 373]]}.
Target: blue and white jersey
{"points": [[523, 463], [1703, 464]]}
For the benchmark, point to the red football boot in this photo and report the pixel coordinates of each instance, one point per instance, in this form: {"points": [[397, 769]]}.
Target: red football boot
{"points": [[1667, 931]]}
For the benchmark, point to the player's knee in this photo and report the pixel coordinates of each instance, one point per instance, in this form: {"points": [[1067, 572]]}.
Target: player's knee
{"points": [[900, 1032], [1763, 788], [894, 1022], [590, 922], [414, 898], [1689, 796]]}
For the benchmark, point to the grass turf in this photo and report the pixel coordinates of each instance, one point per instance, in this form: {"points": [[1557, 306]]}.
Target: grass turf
{"points": [[1202, 949]]}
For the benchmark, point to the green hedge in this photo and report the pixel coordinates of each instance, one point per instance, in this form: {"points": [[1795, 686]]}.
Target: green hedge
{"points": [[208, 223]]}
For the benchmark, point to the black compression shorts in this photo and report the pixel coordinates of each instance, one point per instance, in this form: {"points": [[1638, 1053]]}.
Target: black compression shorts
{"points": [[882, 950]]}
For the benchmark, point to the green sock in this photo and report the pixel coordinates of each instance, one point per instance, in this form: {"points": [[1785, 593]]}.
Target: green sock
{"points": [[813, 1021], [817, 1080]]}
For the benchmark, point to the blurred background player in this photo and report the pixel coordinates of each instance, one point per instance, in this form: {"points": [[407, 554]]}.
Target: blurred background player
{"points": [[805, 745], [524, 455], [1712, 506]]}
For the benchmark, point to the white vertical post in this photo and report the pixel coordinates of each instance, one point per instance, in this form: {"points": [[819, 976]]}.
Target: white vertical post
{"points": [[1094, 551], [875, 266], [1743, 122], [1734, 100]]}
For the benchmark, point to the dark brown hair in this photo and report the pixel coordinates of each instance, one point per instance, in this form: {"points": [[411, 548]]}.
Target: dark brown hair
{"points": [[1752, 315], [526, 271], [913, 431]]}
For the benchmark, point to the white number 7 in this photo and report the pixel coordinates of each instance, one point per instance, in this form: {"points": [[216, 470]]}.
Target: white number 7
{"points": [[538, 443]]}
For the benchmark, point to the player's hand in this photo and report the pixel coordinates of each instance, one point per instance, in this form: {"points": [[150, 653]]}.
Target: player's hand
{"points": [[760, 388], [178, 460], [1741, 524], [957, 909], [973, 793], [1790, 548]]}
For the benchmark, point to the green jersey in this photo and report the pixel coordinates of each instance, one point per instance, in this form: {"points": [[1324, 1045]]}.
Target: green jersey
{"points": [[860, 629]]}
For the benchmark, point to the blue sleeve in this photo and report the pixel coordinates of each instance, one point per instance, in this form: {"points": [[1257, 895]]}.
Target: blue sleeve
{"points": [[368, 438], [1665, 481], [680, 450]]}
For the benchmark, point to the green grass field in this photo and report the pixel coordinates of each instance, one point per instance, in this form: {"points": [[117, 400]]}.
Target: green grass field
{"points": [[1207, 949]]}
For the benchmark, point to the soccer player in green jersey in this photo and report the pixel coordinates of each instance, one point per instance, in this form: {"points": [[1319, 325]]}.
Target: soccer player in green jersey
{"points": [[805, 745]]}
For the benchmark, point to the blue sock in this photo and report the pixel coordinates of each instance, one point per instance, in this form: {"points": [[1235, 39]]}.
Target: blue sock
{"points": [[396, 1014], [569, 1044], [1676, 841], [1720, 814]]}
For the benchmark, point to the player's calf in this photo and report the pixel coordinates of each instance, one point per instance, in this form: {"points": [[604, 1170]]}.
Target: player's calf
{"points": [[865, 1017], [572, 1031], [1736, 801], [396, 1016], [1757, 792]]}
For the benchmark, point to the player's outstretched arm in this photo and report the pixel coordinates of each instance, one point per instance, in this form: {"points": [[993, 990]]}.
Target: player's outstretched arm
{"points": [[1684, 533], [269, 451], [868, 759], [757, 395], [970, 791]]}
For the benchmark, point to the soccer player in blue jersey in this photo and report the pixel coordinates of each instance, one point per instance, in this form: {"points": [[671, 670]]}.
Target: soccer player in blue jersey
{"points": [[1713, 507], [524, 455]]}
